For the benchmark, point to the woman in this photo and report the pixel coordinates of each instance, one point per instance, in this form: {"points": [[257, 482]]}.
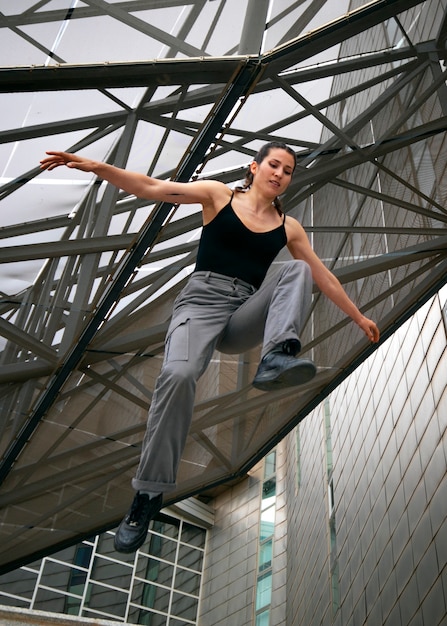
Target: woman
{"points": [[226, 305]]}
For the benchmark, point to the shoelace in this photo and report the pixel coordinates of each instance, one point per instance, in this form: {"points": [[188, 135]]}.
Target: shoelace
{"points": [[137, 509]]}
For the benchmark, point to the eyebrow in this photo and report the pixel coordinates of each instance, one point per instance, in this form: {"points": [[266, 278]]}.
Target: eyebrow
{"points": [[279, 161]]}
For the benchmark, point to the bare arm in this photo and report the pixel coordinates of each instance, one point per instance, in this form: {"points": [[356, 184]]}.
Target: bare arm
{"points": [[210, 194], [328, 283]]}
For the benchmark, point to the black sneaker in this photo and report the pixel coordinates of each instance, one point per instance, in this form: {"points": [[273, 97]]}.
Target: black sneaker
{"points": [[278, 371], [132, 531]]}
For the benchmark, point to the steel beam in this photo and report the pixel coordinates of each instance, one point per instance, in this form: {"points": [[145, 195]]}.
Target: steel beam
{"points": [[242, 81], [254, 27]]}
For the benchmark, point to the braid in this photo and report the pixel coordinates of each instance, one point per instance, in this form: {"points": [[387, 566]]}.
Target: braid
{"points": [[248, 179], [278, 205]]}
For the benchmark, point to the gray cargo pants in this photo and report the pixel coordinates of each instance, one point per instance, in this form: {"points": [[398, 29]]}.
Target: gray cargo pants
{"points": [[213, 312]]}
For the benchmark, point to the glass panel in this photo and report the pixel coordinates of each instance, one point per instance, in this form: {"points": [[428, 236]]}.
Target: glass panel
{"points": [[73, 606], [269, 489], [327, 419], [51, 601], [267, 525], [107, 600], [160, 572], [56, 575], [263, 619], [168, 527], [151, 596], [83, 555], [335, 589], [162, 547], [193, 535], [270, 464], [298, 457], [190, 557], [265, 555], [112, 573], [187, 581], [184, 606], [20, 604], [77, 581], [19, 583], [264, 591], [331, 497]]}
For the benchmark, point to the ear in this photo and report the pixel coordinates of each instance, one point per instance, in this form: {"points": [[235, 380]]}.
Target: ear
{"points": [[253, 167]]}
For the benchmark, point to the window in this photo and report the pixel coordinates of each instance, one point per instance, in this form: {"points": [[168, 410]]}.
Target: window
{"points": [[266, 538], [333, 557], [159, 585], [298, 457]]}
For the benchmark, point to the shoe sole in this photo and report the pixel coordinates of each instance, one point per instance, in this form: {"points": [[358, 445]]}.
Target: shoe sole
{"points": [[155, 506], [299, 374], [128, 549]]}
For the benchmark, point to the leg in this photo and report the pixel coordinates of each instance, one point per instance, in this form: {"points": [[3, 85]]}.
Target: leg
{"points": [[272, 315], [167, 427], [277, 311], [199, 317], [188, 352]]}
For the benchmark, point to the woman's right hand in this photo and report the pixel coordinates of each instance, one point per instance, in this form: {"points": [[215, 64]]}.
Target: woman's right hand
{"points": [[56, 158]]}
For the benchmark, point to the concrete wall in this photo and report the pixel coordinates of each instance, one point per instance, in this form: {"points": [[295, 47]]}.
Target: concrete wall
{"points": [[20, 617]]}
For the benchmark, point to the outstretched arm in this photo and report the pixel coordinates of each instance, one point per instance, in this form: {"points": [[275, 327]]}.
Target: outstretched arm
{"points": [[208, 193], [327, 282]]}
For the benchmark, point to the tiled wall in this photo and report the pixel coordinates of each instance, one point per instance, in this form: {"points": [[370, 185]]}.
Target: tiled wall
{"points": [[390, 489], [230, 562]]}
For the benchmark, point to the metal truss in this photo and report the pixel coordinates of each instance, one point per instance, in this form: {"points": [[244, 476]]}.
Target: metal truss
{"points": [[361, 97]]}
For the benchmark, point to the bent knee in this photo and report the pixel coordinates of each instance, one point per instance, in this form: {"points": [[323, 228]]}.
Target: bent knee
{"points": [[297, 266]]}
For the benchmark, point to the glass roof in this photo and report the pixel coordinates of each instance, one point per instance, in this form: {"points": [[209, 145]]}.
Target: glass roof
{"points": [[88, 274]]}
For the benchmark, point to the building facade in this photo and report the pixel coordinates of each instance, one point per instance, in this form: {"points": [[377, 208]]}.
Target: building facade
{"points": [[159, 585], [344, 523]]}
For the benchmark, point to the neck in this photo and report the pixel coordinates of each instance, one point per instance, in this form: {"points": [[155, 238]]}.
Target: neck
{"points": [[258, 202]]}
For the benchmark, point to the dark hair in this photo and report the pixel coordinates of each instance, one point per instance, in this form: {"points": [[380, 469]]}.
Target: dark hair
{"points": [[259, 157]]}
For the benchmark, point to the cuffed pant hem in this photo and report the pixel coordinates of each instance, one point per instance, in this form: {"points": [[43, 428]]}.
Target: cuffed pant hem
{"points": [[279, 340], [150, 486]]}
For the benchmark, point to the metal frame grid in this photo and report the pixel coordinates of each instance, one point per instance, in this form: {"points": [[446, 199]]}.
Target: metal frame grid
{"points": [[361, 97], [161, 582]]}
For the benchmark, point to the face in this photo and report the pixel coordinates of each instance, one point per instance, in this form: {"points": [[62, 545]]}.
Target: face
{"points": [[275, 172]]}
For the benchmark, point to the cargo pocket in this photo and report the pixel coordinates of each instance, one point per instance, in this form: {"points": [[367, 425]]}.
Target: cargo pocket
{"points": [[177, 342]]}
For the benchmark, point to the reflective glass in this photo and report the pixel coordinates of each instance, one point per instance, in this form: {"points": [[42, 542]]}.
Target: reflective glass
{"points": [[263, 619], [265, 555], [264, 591], [190, 557], [184, 606], [186, 581], [267, 525], [105, 600]]}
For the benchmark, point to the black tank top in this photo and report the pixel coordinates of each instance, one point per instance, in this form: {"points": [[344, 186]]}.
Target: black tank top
{"points": [[228, 247]]}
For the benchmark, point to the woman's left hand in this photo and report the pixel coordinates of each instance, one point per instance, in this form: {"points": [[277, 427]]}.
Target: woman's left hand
{"points": [[370, 329]]}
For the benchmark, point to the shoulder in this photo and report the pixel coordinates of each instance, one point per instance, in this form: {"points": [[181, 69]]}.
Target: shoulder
{"points": [[298, 242], [209, 190], [218, 195], [294, 230]]}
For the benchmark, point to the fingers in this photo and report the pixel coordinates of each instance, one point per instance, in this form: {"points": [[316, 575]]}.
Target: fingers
{"points": [[55, 159], [370, 329], [373, 333]]}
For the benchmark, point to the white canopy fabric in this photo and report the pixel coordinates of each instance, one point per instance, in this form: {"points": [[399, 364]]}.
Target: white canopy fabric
{"points": [[88, 274]]}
